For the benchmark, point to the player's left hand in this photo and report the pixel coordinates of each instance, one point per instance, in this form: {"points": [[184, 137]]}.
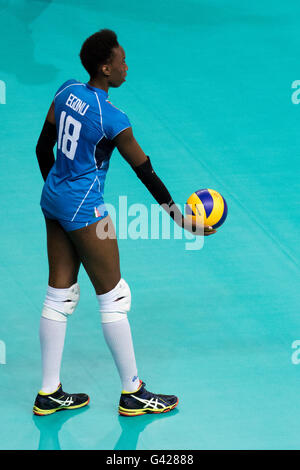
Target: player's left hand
{"points": [[209, 231], [197, 229]]}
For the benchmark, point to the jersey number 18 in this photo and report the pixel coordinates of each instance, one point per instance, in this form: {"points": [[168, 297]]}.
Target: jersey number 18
{"points": [[68, 135]]}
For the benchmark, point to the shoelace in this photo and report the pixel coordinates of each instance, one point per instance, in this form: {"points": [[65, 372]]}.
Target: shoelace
{"points": [[151, 396]]}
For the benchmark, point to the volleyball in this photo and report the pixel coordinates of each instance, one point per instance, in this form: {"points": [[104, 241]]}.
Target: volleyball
{"points": [[209, 205]]}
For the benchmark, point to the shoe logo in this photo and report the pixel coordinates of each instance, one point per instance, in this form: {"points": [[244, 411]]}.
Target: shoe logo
{"points": [[66, 402], [149, 403], [134, 378]]}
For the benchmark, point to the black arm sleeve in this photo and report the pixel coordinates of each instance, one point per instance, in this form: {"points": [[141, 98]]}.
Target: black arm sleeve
{"points": [[158, 190], [44, 148]]}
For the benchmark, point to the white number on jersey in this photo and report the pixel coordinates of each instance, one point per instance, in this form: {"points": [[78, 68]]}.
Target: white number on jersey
{"points": [[68, 135]]}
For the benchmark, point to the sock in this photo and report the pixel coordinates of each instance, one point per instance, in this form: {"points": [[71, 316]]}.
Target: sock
{"points": [[52, 338], [118, 337]]}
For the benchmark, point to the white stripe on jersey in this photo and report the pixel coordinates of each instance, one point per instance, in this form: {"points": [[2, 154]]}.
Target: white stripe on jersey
{"points": [[95, 152], [72, 84], [84, 199], [100, 114]]}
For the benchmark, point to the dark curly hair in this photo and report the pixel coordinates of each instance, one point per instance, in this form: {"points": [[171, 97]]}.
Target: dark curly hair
{"points": [[97, 49]]}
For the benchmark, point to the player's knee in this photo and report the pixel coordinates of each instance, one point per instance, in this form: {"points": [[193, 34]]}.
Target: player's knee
{"points": [[59, 303], [115, 304]]}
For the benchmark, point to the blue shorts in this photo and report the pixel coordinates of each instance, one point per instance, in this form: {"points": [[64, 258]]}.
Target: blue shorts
{"points": [[68, 225]]}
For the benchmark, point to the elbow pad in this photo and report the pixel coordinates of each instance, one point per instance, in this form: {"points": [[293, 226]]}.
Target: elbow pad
{"points": [[48, 136], [44, 148], [152, 182]]}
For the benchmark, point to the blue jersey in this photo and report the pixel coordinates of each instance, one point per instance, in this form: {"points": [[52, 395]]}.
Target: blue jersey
{"points": [[86, 124]]}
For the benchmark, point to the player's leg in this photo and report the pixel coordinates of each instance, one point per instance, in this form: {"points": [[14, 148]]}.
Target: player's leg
{"points": [[62, 293], [61, 299], [63, 259], [100, 258]]}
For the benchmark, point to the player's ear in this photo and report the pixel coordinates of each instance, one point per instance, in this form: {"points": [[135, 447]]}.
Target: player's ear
{"points": [[106, 70]]}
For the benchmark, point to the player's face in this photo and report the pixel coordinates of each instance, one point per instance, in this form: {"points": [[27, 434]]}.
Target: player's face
{"points": [[118, 68]]}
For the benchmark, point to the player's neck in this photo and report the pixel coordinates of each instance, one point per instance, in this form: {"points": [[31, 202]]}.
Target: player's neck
{"points": [[99, 83]]}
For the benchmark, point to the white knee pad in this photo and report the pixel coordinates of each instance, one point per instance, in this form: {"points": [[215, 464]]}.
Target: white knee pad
{"points": [[115, 304], [60, 303]]}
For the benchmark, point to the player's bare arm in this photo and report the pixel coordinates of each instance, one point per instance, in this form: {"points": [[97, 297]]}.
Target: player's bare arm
{"points": [[141, 164]]}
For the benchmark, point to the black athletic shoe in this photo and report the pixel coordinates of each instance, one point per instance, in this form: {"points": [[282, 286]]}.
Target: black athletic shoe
{"points": [[46, 404], [142, 402]]}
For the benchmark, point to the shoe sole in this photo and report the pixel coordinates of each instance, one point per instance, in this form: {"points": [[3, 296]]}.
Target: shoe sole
{"points": [[39, 412], [127, 412]]}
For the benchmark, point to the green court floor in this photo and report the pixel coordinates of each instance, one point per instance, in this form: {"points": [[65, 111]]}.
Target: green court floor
{"points": [[209, 94]]}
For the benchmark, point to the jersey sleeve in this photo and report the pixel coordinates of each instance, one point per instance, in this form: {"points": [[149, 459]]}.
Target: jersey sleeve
{"points": [[115, 121]]}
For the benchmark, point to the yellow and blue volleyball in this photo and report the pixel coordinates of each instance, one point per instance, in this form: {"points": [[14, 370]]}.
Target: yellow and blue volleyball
{"points": [[208, 204]]}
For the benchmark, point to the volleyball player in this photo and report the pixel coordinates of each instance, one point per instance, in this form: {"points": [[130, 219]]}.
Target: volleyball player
{"points": [[86, 128]]}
